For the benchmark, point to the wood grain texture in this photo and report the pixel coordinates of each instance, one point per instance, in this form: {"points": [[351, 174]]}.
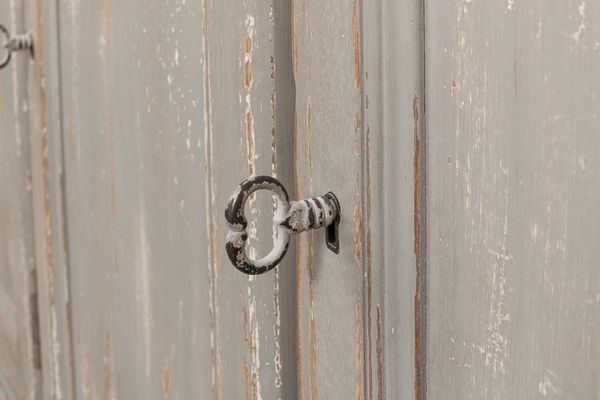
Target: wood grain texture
{"points": [[158, 130], [512, 199], [359, 83], [395, 167], [167, 107], [19, 343], [47, 181], [250, 107], [329, 147]]}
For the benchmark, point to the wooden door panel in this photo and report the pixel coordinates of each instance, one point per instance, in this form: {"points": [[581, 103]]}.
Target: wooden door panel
{"points": [[166, 109], [357, 133], [19, 343], [513, 188]]}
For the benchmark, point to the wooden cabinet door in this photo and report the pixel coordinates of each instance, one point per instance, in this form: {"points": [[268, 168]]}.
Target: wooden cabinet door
{"points": [[159, 112], [512, 200], [460, 139]]}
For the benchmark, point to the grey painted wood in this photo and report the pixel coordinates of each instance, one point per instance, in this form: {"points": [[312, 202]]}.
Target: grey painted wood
{"points": [[19, 343], [512, 200], [358, 75], [250, 107], [157, 131], [393, 115], [190, 138], [359, 96], [45, 138], [166, 108]]}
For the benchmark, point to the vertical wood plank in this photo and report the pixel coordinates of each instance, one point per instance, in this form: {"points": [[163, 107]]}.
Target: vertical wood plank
{"points": [[394, 164], [48, 202], [167, 107], [513, 189], [329, 147], [358, 72], [250, 109], [19, 339], [136, 173], [133, 117]]}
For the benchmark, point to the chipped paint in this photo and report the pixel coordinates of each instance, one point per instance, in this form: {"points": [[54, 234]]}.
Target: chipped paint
{"points": [[312, 337], [273, 133], [358, 234], [379, 355], [250, 147], [166, 382], [254, 344], [577, 35], [356, 43], [143, 291], [211, 226], [299, 313], [246, 378], [309, 134], [249, 118], [110, 376], [277, 330], [417, 171], [358, 352], [248, 61], [368, 257]]}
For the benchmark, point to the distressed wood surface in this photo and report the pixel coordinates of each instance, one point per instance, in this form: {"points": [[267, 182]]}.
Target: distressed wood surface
{"points": [[250, 115], [158, 129], [328, 146], [47, 182], [167, 107], [513, 188], [393, 114], [19, 342], [357, 133]]}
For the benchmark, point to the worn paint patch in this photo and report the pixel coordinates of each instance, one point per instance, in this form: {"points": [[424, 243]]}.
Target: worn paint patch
{"points": [[358, 229], [85, 381], [312, 321], [299, 362], [358, 352], [417, 247], [277, 330], [366, 238], [309, 134], [274, 133], [577, 34], [356, 42], [254, 345], [250, 147], [166, 382], [110, 384], [248, 50], [249, 118], [143, 290], [211, 225], [248, 63], [248, 74], [246, 378], [379, 355], [357, 232]]}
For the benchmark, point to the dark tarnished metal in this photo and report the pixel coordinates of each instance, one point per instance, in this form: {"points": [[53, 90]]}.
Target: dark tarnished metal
{"points": [[12, 44], [294, 217]]}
